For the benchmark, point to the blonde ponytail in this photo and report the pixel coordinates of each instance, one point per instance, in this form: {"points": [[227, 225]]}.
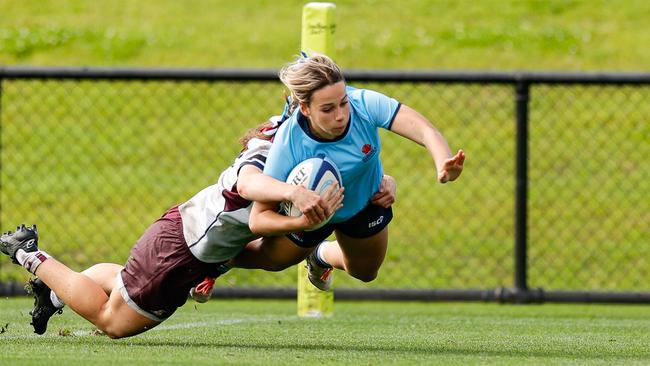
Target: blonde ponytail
{"points": [[306, 75]]}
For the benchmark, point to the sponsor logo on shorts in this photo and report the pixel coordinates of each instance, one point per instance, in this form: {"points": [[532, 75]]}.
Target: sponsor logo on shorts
{"points": [[298, 236], [376, 222]]}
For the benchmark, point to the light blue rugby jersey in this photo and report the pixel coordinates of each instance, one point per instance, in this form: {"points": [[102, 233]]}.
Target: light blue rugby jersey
{"points": [[355, 152]]}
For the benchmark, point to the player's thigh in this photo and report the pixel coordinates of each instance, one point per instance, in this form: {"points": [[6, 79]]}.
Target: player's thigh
{"points": [[117, 319], [364, 252], [281, 250], [104, 275]]}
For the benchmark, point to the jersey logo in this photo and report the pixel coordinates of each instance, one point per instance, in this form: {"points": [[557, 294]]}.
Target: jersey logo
{"points": [[369, 151]]}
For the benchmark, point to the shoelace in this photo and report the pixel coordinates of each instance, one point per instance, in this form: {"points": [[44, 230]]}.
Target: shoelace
{"points": [[205, 287]]}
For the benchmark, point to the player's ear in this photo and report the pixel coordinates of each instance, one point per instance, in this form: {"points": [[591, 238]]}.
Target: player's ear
{"points": [[304, 109]]}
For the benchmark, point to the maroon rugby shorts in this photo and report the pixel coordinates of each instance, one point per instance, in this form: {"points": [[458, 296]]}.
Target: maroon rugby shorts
{"points": [[161, 270]]}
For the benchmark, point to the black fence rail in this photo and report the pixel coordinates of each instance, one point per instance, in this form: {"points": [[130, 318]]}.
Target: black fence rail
{"points": [[553, 205]]}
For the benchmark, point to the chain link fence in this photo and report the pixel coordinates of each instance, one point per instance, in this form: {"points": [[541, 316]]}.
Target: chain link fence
{"points": [[94, 161]]}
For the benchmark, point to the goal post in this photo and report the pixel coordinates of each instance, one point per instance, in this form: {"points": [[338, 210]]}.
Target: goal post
{"points": [[317, 36]]}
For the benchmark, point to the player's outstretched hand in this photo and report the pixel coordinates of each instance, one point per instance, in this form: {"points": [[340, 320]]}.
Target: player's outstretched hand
{"points": [[452, 167]]}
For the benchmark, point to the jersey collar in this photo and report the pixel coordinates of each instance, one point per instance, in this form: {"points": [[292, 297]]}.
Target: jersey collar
{"points": [[304, 124]]}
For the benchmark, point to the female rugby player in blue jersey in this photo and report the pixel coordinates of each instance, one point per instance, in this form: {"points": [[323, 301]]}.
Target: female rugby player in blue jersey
{"points": [[328, 117]]}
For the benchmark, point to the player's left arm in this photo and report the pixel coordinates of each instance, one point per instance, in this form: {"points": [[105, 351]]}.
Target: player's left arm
{"points": [[415, 127]]}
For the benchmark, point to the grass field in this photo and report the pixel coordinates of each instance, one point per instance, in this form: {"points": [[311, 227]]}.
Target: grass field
{"points": [[411, 34], [360, 333]]}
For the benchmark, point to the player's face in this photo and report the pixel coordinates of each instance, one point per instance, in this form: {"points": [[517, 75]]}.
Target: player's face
{"points": [[328, 111]]}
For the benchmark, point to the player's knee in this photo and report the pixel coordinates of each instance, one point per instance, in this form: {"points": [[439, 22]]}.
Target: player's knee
{"points": [[114, 335], [112, 332], [366, 276], [116, 331]]}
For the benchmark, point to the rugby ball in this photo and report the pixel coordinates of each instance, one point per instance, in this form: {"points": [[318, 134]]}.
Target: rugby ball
{"points": [[316, 174]]}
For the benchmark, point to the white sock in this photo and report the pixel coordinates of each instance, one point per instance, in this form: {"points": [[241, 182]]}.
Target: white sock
{"points": [[31, 260], [56, 301], [319, 258]]}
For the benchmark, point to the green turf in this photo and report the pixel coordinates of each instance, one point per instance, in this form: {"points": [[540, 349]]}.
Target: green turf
{"points": [[360, 333], [440, 34]]}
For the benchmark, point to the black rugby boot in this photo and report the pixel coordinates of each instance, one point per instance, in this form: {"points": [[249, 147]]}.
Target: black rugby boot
{"points": [[25, 238], [43, 307]]}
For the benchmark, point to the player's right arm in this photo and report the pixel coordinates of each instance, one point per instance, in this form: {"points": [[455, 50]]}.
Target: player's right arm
{"points": [[254, 185]]}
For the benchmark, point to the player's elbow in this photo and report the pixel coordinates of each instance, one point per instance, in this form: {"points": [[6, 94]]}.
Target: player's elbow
{"points": [[255, 224], [244, 189]]}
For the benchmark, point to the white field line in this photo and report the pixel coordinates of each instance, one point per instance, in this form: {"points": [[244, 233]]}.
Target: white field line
{"points": [[211, 323]]}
